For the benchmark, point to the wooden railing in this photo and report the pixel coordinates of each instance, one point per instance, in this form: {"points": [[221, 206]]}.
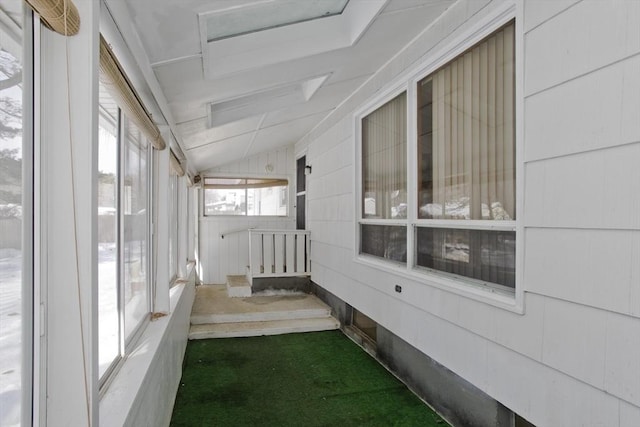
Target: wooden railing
{"points": [[279, 253]]}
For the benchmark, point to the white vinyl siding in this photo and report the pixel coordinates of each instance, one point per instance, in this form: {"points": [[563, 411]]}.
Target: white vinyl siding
{"points": [[577, 98]]}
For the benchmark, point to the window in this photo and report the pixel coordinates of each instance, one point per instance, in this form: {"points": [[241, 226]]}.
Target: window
{"points": [[245, 196], [15, 212], [136, 229], [466, 155], [108, 183], [264, 16], [383, 228], [191, 221], [123, 232], [463, 221], [173, 226], [364, 324]]}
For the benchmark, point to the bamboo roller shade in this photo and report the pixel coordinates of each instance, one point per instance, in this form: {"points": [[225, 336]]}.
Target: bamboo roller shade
{"points": [[175, 165], [240, 183], [119, 87], [59, 15]]}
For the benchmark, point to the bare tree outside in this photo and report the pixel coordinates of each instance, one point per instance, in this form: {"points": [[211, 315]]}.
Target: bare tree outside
{"points": [[10, 222]]}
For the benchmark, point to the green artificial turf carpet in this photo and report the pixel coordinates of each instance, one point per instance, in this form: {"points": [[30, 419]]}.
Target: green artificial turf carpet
{"points": [[309, 379]]}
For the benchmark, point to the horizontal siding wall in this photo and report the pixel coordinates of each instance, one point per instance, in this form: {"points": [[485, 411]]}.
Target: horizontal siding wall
{"points": [[573, 357], [582, 195], [221, 257]]}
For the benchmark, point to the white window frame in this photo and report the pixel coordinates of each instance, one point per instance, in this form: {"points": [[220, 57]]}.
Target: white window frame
{"points": [[408, 81], [127, 343], [31, 326], [245, 176], [360, 220], [174, 214], [137, 331]]}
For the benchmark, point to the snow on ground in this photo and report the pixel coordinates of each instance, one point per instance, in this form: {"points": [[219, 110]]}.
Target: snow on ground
{"points": [[269, 292], [135, 299], [107, 305], [10, 336], [11, 323]]}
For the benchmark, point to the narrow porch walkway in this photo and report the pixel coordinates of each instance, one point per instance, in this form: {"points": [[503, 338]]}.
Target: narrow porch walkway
{"points": [[310, 379]]}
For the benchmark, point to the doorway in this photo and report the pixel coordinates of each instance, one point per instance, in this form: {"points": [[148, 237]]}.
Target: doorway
{"points": [[301, 193]]}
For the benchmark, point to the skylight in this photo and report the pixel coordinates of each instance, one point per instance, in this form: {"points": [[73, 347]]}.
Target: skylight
{"points": [[267, 15]]}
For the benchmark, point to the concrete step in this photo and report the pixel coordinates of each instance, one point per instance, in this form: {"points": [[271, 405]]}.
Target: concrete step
{"points": [[212, 305], [254, 329], [260, 316], [238, 287]]}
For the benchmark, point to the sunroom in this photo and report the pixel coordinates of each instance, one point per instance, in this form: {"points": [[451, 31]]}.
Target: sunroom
{"points": [[454, 182]]}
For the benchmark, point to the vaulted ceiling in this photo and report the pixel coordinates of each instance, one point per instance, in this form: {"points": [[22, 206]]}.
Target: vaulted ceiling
{"points": [[242, 77]]}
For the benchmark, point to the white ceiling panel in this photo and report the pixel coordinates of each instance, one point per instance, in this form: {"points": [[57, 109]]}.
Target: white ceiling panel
{"points": [[196, 133], [273, 99], [269, 138], [396, 6], [221, 152], [254, 50], [325, 100], [176, 76], [188, 97], [167, 28], [235, 71]]}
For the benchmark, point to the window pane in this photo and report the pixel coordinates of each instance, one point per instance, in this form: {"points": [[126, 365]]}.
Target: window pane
{"points": [[267, 201], [384, 161], [301, 178], [480, 254], [301, 218], [384, 241], [225, 202], [135, 228], [267, 15], [190, 222], [173, 224], [466, 145], [11, 214], [246, 196], [108, 318]]}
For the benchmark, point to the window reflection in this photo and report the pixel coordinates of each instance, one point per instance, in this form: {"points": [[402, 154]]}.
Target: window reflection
{"points": [[384, 161], [11, 212], [479, 254], [173, 223], [108, 319], [384, 241], [135, 228], [466, 135], [246, 196]]}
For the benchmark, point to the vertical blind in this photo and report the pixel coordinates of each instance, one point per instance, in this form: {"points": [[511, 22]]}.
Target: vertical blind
{"points": [[384, 160], [467, 161], [473, 135]]}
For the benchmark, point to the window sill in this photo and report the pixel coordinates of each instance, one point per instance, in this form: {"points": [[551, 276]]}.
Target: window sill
{"points": [[467, 288], [123, 390], [178, 279], [227, 217]]}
